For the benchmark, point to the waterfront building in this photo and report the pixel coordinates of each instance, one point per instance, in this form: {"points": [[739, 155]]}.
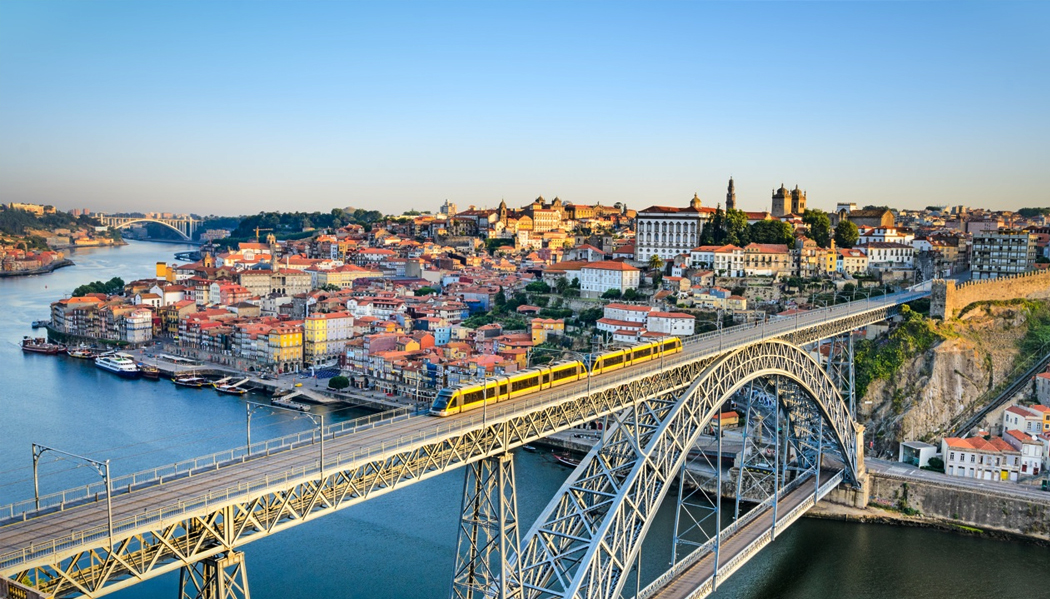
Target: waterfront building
{"points": [[979, 458], [286, 346], [325, 337], [1030, 449]]}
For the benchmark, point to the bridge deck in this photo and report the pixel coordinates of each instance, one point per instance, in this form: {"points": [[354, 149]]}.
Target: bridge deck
{"points": [[39, 531], [696, 581]]}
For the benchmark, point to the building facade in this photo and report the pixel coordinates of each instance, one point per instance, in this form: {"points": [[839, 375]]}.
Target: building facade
{"points": [[667, 232]]}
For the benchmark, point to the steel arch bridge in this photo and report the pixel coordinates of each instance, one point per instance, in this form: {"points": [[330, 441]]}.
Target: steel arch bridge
{"points": [[184, 226], [580, 547], [585, 541]]}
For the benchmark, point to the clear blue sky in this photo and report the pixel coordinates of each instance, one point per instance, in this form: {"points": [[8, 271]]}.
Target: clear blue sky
{"points": [[236, 107]]}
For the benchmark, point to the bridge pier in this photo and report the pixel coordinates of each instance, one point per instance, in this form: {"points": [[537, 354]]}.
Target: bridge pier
{"points": [[488, 546], [217, 577]]}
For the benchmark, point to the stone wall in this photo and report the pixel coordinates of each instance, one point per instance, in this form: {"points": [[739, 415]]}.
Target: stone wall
{"points": [[947, 297], [956, 504]]}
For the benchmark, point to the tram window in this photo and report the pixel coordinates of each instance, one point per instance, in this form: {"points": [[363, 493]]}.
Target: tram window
{"points": [[473, 396], [546, 377], [613, 360], [503, 389]]}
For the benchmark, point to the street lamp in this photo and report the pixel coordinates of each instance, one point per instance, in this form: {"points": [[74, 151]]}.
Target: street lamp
{"points": [[251, 407], [101, 467]]}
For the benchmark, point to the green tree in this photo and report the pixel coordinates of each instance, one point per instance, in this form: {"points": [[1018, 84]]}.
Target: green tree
{"points": [[819, 226], [538, 287], [612, 294], [338, 382], [425, 291], [736, 227], [656, 262], [772, 231], [329, 287], [114, 285], [631, 294], [561, 285], [501, 298], [846, 234]]}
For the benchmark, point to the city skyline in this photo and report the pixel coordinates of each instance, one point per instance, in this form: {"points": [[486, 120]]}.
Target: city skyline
{"points": [[232, 108]]}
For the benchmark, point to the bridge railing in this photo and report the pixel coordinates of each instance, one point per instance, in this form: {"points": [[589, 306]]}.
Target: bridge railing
{"points": [[731, 335], [703, 550], [160, 474], [346, 459]]}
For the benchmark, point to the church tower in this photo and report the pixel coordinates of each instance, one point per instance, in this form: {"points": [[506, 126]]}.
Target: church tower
{"points": [[695, 202], [798, 201], [731, 196], [781, 202]]}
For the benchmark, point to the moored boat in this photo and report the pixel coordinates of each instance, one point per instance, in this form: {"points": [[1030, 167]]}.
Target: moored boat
{"points": [[40, 323], [41, 345], [118, 363], [189, 381], [149, 371], [291, 404], [565, 460], [81, 353], [230, 389]]}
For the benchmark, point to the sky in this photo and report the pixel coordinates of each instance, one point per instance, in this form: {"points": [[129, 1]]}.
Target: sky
{"points": [[237, 107]]}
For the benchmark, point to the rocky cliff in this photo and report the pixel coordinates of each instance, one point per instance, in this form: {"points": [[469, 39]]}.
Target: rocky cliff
{"points": [[971, 355]]}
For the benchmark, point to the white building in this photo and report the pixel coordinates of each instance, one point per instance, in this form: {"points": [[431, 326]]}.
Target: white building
{"points": [[627, 312], [982, 459], [1042, 388], [882, 255], [885, 235], [1017, 418], [1031, 452], [677, 324], [598, 277], [669, 231]]}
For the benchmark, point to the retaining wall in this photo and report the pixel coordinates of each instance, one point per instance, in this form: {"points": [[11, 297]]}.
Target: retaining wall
{"points": [[947, 297]]}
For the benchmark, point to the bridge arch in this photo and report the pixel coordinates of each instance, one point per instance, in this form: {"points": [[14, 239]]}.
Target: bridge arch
{"points": [[584, 542], [126, 224]]}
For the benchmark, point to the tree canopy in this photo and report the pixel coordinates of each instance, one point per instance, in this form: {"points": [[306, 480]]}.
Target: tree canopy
{"points": [[846, 234], [114, 285], [819, 226]]}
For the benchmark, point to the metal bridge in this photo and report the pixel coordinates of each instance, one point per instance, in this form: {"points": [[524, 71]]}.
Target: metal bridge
{"points": [[183, 225], [194, 516]]}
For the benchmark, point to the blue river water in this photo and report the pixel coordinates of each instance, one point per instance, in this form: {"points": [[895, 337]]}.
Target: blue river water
{"points": [[402, 545]]}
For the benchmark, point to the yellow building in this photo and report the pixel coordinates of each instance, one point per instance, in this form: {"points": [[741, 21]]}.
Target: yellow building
{"points": [[286, 346]]}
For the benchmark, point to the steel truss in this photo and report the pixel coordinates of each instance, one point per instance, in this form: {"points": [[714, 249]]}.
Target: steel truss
{"points": [[217, 577], [584, 542], [841, 369], [487, 549], [654, 425]]}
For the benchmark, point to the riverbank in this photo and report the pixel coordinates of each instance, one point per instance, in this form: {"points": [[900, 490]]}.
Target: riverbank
{"points": [[890, 517], [57, 264]]}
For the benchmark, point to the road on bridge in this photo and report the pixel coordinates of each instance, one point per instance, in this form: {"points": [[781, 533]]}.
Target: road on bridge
{"points": [[38, 531]]}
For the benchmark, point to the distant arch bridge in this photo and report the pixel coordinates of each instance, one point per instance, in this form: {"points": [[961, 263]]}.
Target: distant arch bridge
{"points": [[183, 225]]}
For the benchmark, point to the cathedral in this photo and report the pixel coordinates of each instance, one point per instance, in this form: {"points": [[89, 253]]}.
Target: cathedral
{"points": [[788, 202]]}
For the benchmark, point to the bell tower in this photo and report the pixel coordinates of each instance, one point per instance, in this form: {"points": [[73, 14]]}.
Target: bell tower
{"points": [[731, 196]]}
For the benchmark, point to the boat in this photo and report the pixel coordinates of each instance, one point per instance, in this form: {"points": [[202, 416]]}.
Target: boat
{"points": [[40, 345], [149, 371], [565, 460], [190, 380], [291, 404], [81, 353], [119, 364], [529, 448], [230, 389], [37, 324]]}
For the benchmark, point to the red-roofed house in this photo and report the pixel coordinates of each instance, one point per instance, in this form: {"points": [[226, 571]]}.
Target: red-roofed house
{"points": [[975, 457], [1031, 451]]}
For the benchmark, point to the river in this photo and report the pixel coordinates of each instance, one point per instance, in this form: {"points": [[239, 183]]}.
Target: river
{"points": [[402, 545]]}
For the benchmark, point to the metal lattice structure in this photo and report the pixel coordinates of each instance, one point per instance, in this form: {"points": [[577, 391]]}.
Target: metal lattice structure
{"points": [[587, 537], [486, 555], [581, 545]]}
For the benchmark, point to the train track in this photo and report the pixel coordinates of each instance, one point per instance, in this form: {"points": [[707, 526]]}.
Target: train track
{"points": [[1003, 395]]}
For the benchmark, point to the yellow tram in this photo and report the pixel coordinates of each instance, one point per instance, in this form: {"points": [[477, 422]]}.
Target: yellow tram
{"points": [[502, 388]]}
